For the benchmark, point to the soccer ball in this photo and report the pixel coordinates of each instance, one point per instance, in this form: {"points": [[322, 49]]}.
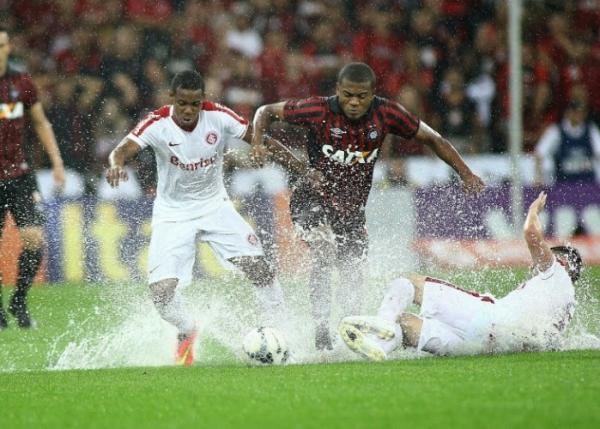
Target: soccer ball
{"points": [[266, 346]]}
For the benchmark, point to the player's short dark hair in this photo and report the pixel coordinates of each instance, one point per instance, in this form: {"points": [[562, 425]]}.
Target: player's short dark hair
{"points": [[573, 258], [357, 72], [187, 79], [4, 29]]}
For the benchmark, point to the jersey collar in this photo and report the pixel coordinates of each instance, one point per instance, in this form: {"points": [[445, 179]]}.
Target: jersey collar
{"points": [[186, 129]]}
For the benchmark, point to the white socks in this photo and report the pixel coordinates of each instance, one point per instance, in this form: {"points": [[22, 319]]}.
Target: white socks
{"points": [[271, 304], [399, 296], [177, 313]]}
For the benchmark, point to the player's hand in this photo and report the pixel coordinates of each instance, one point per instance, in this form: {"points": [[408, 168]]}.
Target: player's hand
{"points": [[115, 175], [258, 155], [539, 203], [58, 173], [472, 183]]}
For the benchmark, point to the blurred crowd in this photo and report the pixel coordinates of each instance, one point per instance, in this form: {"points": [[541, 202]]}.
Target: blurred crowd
{"points": [[102, 64]]}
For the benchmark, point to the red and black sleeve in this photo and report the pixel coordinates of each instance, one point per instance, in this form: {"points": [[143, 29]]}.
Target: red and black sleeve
{"points": [[400, 121], [305, 111], [30, 96]]}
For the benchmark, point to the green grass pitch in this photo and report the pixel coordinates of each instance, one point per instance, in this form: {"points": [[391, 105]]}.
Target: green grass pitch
{"points": [[532, 390]]}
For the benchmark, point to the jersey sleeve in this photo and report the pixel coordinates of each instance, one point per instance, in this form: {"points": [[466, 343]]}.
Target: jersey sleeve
{"points": [[145, 132], [234, 125], [305, 111], [400, 121], [30, 95]]}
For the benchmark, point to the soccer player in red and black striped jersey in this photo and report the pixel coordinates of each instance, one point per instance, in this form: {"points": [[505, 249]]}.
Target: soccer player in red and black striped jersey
{"points": [[346, 132], [18, 188]]}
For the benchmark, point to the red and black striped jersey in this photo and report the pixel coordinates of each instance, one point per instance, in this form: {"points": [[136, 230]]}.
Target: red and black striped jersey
{"points": [[345, 150], [17, 95]]}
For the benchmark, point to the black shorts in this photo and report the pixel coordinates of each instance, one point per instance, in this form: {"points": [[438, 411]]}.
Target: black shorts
{"points": [[20, 197], [310, 212]]}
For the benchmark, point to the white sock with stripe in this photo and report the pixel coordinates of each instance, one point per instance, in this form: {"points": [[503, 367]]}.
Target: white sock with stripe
{"points": [[400, 294]]}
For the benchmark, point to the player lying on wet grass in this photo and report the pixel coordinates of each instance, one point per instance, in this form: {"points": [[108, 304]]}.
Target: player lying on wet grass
{"points": [[453, 321]]}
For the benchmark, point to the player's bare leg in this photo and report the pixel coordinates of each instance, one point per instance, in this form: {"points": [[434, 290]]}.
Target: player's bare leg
{"points": [[411, 328], [319, 285], [269, 294], [3, 321], [376, 336], [170, 305], [32, 238]]}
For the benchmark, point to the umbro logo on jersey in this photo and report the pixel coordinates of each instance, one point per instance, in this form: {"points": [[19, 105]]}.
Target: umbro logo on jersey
{"points": [[174, 144], [337, 133]]}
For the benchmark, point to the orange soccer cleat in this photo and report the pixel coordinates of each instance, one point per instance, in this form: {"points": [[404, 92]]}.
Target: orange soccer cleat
{"points": [[184, 355]]}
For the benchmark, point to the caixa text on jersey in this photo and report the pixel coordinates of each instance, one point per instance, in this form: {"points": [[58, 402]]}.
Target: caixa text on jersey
{"points": [[348, 156]]}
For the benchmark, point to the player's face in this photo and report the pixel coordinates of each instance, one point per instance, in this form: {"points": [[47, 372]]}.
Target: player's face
{"points": [[4, 49], [354, 97], [187, 104], [577, 114]]}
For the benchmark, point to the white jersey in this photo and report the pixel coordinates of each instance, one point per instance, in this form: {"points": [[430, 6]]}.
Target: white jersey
{"points": [[534, 314], [189, 163]]}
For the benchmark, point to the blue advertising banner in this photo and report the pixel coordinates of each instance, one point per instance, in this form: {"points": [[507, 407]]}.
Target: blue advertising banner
{"points": [[447, 212]]}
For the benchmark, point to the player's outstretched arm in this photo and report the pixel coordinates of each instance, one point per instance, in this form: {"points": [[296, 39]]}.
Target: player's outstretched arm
{"points": [[534, 236], [44, 131], [282, 155], [125, 150], [446, 152], [263, 118]]}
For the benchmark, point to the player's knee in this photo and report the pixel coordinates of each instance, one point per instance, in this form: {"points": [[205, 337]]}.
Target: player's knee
{"points": [[163, 291], [32, 238], [257, 269], [403, 287], [417, 280], [263, 273]]}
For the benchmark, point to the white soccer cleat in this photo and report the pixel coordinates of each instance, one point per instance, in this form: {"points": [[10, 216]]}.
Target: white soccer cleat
{"points": [[372, 325], [361, 343]]}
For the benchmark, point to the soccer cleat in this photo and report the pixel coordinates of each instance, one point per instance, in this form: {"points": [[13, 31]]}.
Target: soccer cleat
{"points": [[360, 343], [18, 309], [372, 325], [184, 355], [323, 338]]}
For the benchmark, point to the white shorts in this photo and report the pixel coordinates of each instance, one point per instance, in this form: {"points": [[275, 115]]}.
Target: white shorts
{"points": [[173, 244], [455, 321], [272, 179]]}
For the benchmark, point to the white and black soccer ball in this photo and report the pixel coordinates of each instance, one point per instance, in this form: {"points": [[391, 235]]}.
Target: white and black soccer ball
{"points": [[266, 346]]}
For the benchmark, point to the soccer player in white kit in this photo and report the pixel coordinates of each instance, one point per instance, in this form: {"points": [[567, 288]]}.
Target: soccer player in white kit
{"points": [[191, 201], [453, 321]]}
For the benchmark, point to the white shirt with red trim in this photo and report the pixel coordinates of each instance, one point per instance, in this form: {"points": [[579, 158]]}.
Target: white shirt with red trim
{"points": [[189, 163], [535, 314]]}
